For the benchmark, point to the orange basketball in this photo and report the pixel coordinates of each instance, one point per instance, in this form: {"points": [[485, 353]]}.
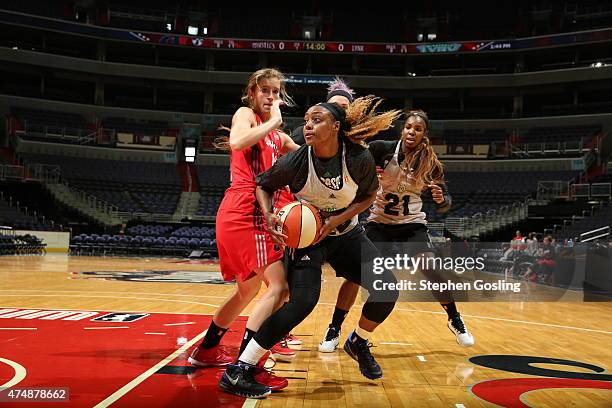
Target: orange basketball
{"points": [[301, 223]]}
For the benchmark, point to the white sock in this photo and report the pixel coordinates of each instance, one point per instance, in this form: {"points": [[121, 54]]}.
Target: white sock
{"points": [[252, 353], [364, 334]]}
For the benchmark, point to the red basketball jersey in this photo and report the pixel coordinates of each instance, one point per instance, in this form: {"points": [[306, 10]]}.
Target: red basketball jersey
{"points": [[242, 240], [247, 163]]}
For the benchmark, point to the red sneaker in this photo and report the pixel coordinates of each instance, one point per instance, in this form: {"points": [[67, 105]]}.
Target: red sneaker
{"points": [[267, 361], [268, 379], [281, 352], [213, 357], [262, 361], [293, 340]]}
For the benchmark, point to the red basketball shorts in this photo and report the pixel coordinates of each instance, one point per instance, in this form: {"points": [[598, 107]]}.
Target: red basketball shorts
{"points": [[242, 240]]}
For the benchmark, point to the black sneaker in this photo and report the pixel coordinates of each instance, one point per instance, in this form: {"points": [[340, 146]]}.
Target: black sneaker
{"points": [[359, 350], [238, 380], [330, 342]]}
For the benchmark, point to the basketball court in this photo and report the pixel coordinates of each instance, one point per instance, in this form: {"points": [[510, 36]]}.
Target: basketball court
{"points": [[117, 332]]}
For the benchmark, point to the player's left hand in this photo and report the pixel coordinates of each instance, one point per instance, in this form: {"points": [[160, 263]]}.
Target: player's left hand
{"points": [[436, 193], [331, 223]]}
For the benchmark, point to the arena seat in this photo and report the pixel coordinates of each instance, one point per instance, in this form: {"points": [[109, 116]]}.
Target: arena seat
{"points": [[131, 186]]}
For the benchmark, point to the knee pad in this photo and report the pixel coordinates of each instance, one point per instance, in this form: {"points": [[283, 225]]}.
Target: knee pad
{"points": [[379, 304], [377, 311]]}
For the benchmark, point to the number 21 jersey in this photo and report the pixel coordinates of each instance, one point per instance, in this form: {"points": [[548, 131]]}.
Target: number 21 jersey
{"points": [[398, 199]]}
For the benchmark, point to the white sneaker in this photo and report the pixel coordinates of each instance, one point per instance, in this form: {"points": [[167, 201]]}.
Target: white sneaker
{"points": [[457, 326], [330, 342]]}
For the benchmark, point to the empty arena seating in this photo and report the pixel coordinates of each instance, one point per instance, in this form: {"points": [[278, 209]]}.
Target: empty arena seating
{"points": [[571, 109], [486, 136], [131, 186], [56, 118], [21, 245], [493, 190], [533, 135], [151, 127], [149, 240], [214, 180], [601, 218], [14, 217], [560, 134], [53, 126]]}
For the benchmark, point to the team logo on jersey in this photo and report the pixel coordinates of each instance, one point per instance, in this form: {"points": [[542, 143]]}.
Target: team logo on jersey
{"points": [[332, 195], [335, 183], [401, 188], [271, 144], [329, 208]]}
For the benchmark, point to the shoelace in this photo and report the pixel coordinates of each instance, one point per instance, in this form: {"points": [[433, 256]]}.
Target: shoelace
{"points": [[364, 350], [248, 372], [331, 334], [458, 324]]}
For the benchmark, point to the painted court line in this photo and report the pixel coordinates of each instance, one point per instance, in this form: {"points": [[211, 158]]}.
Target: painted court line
{"points": [[18, 328], [459, 406], [20, 373], [160, 334], [395, 344], [106, 328], [117, 297], [18, 313], [128, 311], [58, 315], [330, 304], [179, 324], [36, 315], [249, 403], [115, 293], [138, 380], [421, 358], [509, 320]]}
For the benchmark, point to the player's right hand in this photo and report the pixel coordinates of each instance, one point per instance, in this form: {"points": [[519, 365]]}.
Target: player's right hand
{"points": [[275, 112], [275, 228]]}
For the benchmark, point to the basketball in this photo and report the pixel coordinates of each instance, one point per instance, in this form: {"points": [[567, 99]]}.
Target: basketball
{"points": [[301, 223]]}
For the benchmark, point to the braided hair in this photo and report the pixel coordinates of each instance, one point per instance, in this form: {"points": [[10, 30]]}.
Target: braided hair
{"points": [[423, 160]]}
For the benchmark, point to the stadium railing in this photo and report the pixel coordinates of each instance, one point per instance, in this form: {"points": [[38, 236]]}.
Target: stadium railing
{"points": [[595, 234], [57, 133]]}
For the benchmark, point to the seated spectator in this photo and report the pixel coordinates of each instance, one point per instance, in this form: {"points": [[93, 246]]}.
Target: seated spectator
{"points": [[546, 260], [542, 270], [517, 245], [532, 244]]}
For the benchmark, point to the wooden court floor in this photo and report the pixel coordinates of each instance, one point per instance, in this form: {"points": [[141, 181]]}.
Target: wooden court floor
{"points": [[526, 354]]}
